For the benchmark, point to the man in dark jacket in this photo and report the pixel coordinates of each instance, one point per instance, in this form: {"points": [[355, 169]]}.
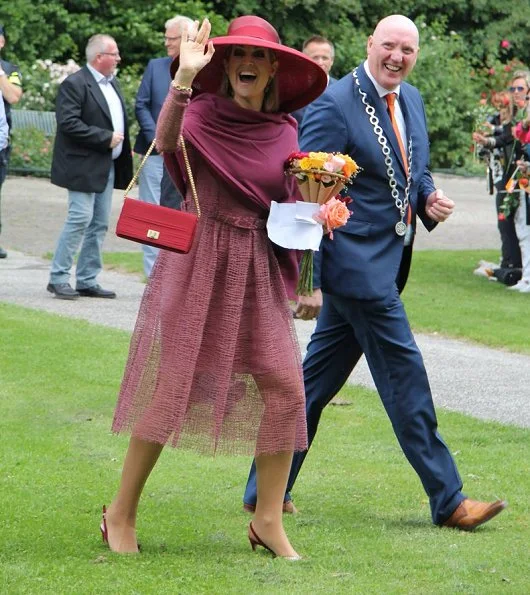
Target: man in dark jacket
{"points": [[91, 156]]}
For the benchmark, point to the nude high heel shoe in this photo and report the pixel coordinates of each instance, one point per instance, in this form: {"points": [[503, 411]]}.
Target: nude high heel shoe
{"points": [[255, 540], [105, 532]]}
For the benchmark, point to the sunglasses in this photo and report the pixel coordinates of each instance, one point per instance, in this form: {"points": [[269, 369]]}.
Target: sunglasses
{"points": [[518, 89]]}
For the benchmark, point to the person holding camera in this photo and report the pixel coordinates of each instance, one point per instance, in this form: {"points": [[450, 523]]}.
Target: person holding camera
{"points": [[508, 151]]}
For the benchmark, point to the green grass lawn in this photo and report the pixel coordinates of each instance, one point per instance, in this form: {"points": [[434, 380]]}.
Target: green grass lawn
{"points": [[443, 296], [125, 262], [364, 525]]}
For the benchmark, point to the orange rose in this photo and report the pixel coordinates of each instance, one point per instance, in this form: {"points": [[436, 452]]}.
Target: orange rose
{"points": [[332, 214], [337, 214]]}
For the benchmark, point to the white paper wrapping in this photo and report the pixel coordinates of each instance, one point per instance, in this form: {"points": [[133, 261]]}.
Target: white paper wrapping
{"points": [[291, 225]]}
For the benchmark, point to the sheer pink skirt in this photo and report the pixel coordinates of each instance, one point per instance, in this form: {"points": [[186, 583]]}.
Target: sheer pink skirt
{"points": [[214, 362]]}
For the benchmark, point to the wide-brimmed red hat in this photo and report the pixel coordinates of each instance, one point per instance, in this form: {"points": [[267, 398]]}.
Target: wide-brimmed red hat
{"points": [[299, 79]]}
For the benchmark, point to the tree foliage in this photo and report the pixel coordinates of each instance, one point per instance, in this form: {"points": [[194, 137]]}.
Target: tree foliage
{"points": [[58, 29], [462, 54]]}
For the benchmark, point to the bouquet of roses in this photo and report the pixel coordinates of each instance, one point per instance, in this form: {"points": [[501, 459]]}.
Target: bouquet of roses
{"points": [[320, 177]]}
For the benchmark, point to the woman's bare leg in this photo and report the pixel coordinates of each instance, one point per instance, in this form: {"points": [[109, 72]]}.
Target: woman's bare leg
{"points": [[121, 514], [272, 472]]}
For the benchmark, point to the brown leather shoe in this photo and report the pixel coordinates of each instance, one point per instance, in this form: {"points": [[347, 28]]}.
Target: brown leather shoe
{"points": [[288, 507], [469, 514]]}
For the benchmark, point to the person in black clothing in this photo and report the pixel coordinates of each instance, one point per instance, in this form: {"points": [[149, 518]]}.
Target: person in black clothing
{"points": [[504, 153], [11, 90]]}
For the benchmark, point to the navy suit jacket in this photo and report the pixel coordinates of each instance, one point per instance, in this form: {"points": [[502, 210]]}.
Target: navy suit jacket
{"points": [[363, 259], [149, 99]]}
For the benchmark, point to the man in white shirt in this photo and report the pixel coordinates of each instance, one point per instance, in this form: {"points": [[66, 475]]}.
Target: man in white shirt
{"points": [[91, 156]]}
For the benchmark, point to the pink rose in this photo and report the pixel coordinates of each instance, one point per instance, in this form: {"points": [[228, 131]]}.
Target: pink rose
{"points": [[335, 164], [505, 44]]}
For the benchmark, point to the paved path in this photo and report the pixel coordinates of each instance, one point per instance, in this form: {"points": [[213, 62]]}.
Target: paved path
{"points": [[486, 383]]}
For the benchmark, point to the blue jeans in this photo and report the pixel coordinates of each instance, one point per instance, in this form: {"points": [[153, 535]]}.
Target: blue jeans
{"points": [[149, 191], [87, 222]]}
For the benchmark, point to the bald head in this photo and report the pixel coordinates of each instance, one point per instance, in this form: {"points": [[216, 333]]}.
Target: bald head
{"points": [[396, 22], [392, 50]]}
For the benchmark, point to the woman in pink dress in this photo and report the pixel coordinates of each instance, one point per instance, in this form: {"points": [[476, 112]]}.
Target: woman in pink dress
{"points": [[214, 362]]}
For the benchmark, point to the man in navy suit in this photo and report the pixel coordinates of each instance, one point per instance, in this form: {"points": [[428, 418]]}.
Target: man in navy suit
{"points": [[321, 51], [149, 99], [361, 267]]}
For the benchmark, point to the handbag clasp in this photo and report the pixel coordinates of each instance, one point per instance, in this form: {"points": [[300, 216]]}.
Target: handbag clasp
{"points": [[153, 234]]}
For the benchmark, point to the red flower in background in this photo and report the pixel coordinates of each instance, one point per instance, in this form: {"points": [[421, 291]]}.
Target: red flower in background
{"points": [[491, 71], [505, 44]]}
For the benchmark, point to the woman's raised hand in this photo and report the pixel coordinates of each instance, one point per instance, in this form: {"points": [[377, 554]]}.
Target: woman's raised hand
{"points": [[193, 57]]}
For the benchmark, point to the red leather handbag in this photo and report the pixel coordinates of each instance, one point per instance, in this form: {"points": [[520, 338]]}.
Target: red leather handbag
{"points": [[155, 225]]}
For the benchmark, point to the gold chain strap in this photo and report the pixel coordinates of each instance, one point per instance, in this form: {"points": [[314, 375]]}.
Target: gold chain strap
{"points": [[188, 170], [190, 175], [137, 173]]}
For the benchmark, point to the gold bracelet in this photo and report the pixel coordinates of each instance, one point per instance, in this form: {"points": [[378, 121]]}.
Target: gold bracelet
{"points": [[181, 88]]}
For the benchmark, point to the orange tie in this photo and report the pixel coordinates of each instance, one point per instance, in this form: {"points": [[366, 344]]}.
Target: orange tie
{"points": [[390, 101]]}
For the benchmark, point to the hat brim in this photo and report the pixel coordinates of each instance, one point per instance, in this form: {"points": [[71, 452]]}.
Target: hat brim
{"points": [[299, 80]]}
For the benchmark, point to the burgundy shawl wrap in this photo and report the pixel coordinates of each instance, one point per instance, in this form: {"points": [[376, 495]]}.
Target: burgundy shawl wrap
{"points": [[247, 149]]}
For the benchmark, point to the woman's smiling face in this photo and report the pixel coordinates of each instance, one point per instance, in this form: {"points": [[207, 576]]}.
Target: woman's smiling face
{"points": [[249, 70]]}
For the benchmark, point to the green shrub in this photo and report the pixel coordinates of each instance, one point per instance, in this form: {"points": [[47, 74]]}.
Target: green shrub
{"points": [[32, 152]]}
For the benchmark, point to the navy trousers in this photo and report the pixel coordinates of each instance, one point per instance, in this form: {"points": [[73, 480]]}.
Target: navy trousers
{"points": [[345, 329]]}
